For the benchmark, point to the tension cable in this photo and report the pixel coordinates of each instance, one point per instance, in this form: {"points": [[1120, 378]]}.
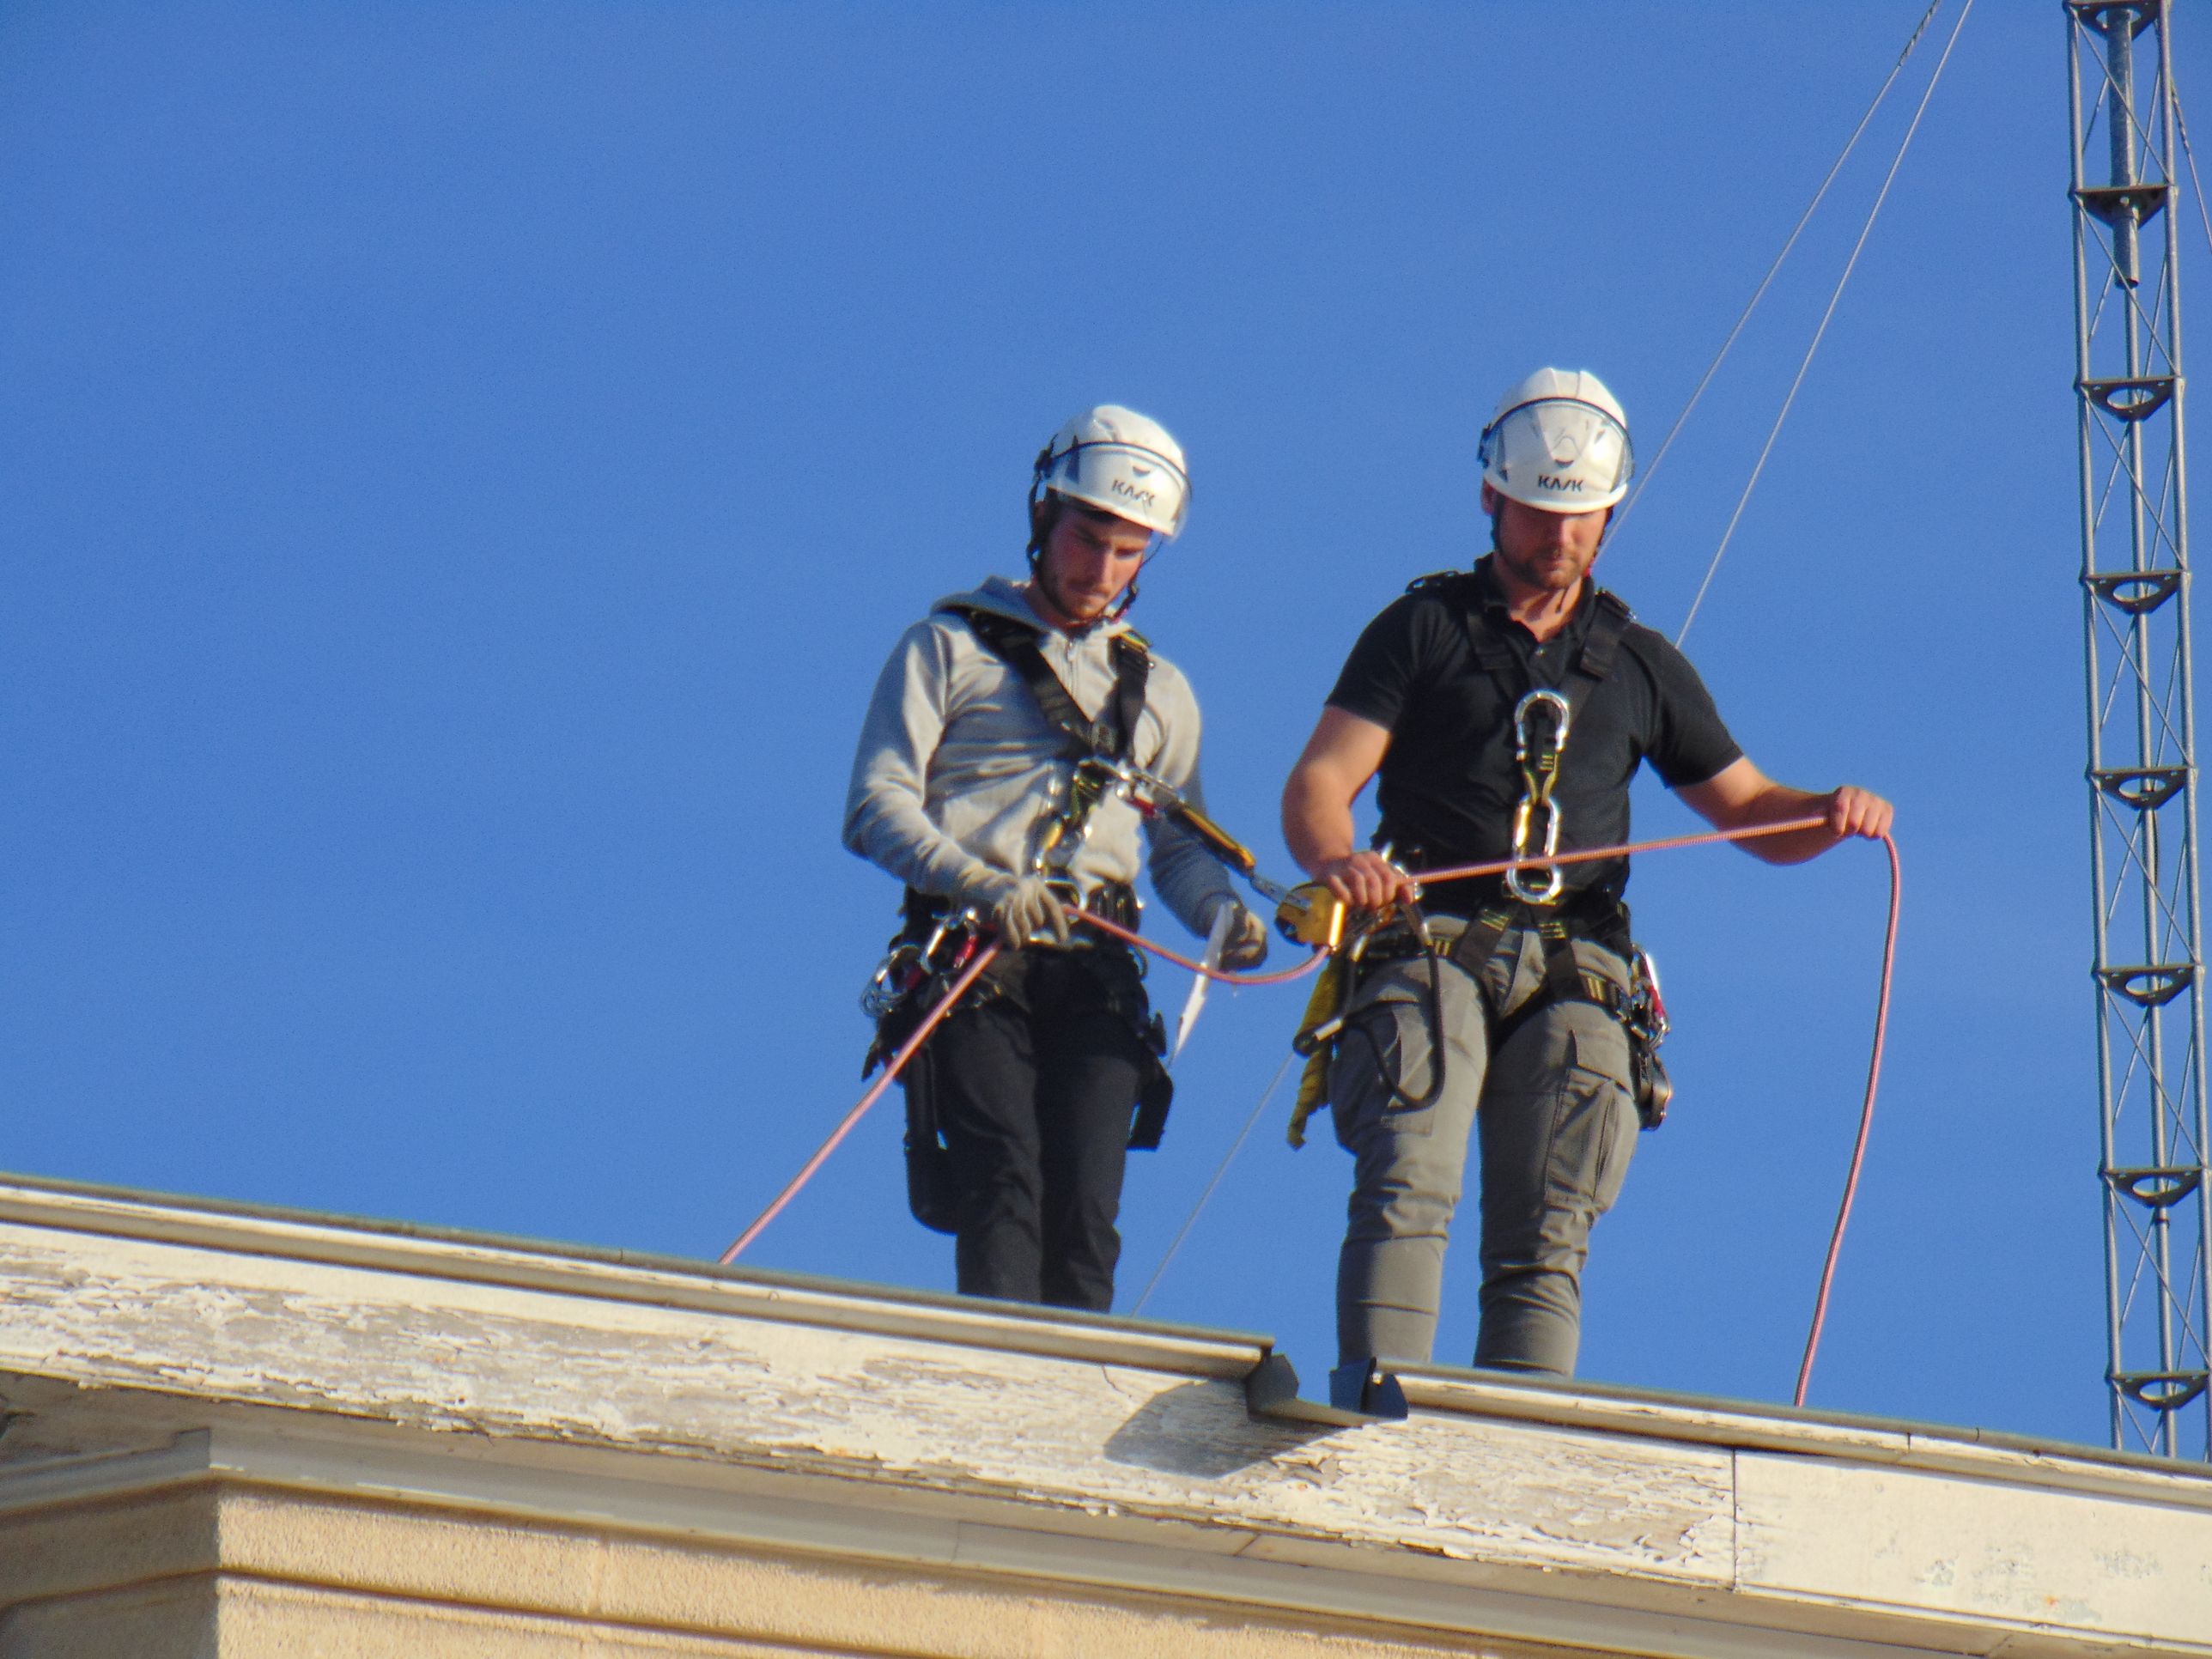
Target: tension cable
{"points": [[1788, 242], [1827, 316]]}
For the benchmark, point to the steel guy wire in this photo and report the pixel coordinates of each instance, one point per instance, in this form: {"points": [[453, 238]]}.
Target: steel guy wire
{"points": [[1790, 242], [1820, 333], [1191, 1220]]}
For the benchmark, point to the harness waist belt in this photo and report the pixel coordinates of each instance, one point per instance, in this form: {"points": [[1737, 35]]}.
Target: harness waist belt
{"points": [[1115, 901]]}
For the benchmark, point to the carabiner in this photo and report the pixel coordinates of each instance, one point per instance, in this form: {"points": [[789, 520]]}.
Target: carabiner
{"points": [[1554, 880], [1538, 761], [894, 976], [1562, 713], [1646, 997]]}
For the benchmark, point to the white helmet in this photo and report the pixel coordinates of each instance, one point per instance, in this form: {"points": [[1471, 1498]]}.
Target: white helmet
{"points": [[1559, 441], [1119, 462]]}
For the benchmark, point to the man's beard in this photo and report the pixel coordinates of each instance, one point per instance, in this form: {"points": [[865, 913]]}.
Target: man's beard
{"points": [[1558, 572]]}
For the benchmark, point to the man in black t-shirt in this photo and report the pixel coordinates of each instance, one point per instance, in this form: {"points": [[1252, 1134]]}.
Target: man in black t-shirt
{"points": [[1504, 710]]}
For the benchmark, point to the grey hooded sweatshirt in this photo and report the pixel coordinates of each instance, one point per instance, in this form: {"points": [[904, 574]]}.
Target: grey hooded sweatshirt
{"points": [[959, 773]]}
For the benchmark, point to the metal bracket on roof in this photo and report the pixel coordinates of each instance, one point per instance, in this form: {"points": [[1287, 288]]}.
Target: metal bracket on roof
{"points": [[1357, 1395]]}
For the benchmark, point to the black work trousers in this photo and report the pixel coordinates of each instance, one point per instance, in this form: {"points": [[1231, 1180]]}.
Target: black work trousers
{"points": [[1033, 1088]]}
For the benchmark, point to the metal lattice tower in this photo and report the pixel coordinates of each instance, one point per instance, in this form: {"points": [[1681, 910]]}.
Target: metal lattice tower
{"points": [[2149, 968]]}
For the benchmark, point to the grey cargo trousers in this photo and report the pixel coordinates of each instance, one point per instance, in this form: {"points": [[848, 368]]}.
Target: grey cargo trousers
{"points": [[1556, 1111]]}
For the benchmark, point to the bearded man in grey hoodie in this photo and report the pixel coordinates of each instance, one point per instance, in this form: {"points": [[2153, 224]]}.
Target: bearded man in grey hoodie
{"points": [[982, 782]]}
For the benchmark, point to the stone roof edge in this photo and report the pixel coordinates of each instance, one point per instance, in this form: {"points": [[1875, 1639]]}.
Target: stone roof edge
{"points": [[1755, 1426], [617, 1275], [623, 1276]]}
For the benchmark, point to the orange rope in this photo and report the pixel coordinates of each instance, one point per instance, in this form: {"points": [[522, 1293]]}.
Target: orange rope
{"points": [[906, 1050], [1866, 1122], [913, 1044], [1280, 977], [1464, 872], [1500, 867], [1453, 872]]}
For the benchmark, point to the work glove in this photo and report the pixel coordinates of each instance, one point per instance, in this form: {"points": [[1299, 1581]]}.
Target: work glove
{"points": [[1022, 907], [1246, 946]]}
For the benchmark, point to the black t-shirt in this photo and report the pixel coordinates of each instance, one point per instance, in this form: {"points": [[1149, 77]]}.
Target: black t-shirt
{"points": [[1449, 785]]}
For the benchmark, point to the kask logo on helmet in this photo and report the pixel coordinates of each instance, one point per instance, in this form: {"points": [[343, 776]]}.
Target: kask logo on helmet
{"points": [[1136, 496], [1546, 481]]}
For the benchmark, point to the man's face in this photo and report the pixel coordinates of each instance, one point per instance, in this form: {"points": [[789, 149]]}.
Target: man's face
{"points": [[1549, 551], [1088, 561]]}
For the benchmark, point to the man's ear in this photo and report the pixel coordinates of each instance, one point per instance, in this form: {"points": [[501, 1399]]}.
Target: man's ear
{"points": [[1490, 499]]}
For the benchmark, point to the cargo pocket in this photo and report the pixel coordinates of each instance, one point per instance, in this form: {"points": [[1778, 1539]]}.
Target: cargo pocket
{"points": [[1594, 1132]]}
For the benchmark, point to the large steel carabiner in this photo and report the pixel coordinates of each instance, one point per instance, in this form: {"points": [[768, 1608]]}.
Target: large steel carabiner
{"points": [[1538, 758], [1544, 753], [1550, 881]]}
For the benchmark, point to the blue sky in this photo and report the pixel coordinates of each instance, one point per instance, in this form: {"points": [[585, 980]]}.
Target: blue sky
{"points": [[462, 468]]}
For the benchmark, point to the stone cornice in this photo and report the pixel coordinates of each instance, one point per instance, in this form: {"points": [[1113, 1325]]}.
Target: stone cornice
{"points": [[250, 1348]]}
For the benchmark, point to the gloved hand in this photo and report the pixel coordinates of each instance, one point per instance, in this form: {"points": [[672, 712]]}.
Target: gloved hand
{"points": [[1022, 907], [1246, 945]]}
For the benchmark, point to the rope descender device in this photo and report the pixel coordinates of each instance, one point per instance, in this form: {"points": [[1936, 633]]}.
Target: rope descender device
{"points": [[1540, 722], [1308, 913], [1156, 798]]}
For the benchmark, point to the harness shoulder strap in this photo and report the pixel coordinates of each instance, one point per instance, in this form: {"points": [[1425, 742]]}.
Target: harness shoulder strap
{"points": [[1133, 667], [1601, 645], [1457, 589], [1437, 580], [1016, 644]]}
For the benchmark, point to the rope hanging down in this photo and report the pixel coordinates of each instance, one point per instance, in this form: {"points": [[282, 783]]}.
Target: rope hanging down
{"points": [[1454, 873], [1827, 316], [1866, 1122], [907, 1051], [912, 1046]]}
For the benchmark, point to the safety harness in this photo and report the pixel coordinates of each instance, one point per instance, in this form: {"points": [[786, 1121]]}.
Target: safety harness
{"points": [[1110, 737], [1537, 898], [937, 940], [1541, 721]]}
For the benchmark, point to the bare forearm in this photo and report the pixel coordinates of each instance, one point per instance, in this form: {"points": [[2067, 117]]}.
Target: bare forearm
{"points": [[1742, 797], [1341, 755], [1777, 804], [1317, 824]]}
